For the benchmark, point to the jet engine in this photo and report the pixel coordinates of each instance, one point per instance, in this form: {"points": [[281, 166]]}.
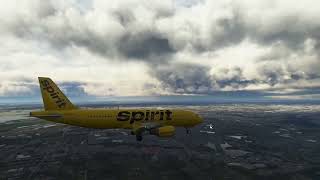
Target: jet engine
{"points": [[164, 131]]}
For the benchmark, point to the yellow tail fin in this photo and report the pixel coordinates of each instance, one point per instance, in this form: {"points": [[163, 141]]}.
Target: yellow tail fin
{"points": [[53, 97]]}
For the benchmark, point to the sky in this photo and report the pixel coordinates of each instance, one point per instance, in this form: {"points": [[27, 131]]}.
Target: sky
{"points": [[265, 48]]}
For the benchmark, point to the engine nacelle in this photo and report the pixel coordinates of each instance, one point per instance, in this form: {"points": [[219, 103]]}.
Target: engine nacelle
{"points": [[165, 131]]}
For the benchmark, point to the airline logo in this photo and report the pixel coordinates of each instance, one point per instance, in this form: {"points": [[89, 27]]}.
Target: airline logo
{"points": [[54, 94], [144, 115]]}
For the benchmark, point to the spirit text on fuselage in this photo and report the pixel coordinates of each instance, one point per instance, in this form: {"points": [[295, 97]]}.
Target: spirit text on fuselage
{"points": [[147, 115]]}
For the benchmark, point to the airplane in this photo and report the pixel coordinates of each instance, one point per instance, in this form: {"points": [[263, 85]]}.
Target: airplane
{"points": [[160, 122]]}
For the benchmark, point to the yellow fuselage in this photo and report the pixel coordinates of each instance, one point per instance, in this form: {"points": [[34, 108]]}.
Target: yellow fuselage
{"points": [[120, 118]]}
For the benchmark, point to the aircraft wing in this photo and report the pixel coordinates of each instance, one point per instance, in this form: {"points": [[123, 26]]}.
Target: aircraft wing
{"points": [[139, 128], [146, 125], [153, 128]]}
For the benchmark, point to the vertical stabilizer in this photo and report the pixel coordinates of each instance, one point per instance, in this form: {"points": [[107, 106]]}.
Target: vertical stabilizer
{"points": [[53, 97]]}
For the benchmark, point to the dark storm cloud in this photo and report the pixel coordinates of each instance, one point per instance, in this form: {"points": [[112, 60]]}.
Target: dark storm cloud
{"points": [[196, 79], [272, 75], [67, 36], [68, 27], [275, 74], [124, 16], [287, 32], [184, 78], [236, 80], [149, 42], [157, 33], [233, 31], [145, 46]]}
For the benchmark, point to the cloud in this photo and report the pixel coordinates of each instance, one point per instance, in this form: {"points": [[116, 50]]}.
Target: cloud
{"points": [[145, 46], [184, 78], [74, 89], [232, 79], [19, 87], [120, 32], [134, 47]]}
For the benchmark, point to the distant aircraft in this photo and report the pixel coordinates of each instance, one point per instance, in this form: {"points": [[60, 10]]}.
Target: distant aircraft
{"points": [[162, 123]]}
